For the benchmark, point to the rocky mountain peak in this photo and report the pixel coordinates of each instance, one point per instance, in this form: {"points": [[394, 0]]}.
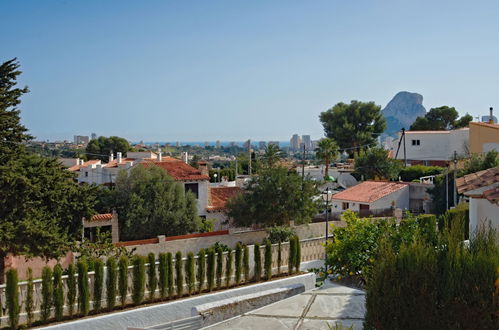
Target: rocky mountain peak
{"points": [[402, 111]]}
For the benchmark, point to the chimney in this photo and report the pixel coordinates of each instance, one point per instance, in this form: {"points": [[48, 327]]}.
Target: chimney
{"points": [[159, 155], [118, 157], [81, 161], [111, 156], [185, 157], [203, 167], [491, 118]]}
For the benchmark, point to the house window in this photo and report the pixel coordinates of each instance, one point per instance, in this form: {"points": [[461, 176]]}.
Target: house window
{"points": [[193, 188], [416, 142], [86, 174], [345, 205]]}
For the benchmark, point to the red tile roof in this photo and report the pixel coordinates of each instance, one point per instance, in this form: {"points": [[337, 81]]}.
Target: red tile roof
{"points": [[480, 180], [101, 217], [369, 191], [114, 163], [85, 164], [178, 170], [219, 197]]}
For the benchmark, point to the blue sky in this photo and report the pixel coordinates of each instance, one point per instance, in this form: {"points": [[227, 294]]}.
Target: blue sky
{"points": [[232, 70]]}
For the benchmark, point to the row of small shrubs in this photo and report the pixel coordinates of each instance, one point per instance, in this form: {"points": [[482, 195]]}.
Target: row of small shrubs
{"points": [[214, 267]]}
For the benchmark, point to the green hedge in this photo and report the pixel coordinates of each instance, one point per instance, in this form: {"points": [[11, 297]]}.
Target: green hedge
{"points": [[190, 273], [30, 291], [210, 271], [47, 294], [12, 296], [138, 280], [152, 280], [410, 173], [268, 260], [201, 275], [220, 265], [238, 265], [111, 282], [83, 292], [258, 262], [297, 257], [123, 279], [163, 275], [246, 268], [456, 215], [171, 287], [98, 284], [229, 267], [58, 293], [291, 255], [279, 257], [179, 276], [71, 282]]}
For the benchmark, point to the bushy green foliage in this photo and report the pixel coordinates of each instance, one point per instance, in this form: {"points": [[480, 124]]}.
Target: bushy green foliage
{"points": [[278, 234], [205, 225], [179, 275], [450, 287], [229, 266], [238, 265], [326, 152], [246, 268], [163, 275], [47, 294], [190, 273], [152, 280], [12, 296], [374, 163], [268, 260], [220, 265], [258, 262], [481, 162], [139, 279], [171, 287], [101, 147], [279, 257], [440, 119], [298, 254], [123, 279], [98, 284], [414, 172], [83, 292], [457, 214], [29, 304], [210, 271], [58, 293], [71, 282], [201, 275], [111, 282], [291, 256]]}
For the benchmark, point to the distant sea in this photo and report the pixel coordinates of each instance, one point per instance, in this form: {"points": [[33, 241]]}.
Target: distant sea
{"points": [[210, 143]]}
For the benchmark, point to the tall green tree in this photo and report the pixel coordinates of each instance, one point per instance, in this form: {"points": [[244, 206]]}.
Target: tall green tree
{"points": [[353, 125], [374, 163], [101, 148], [150, 203], [441, 119], [274, 197], [327, 151], [272, 155], [41, 204]]}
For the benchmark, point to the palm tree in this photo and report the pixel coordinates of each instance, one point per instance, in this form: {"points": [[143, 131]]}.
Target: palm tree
{"points": [[272, 155], [327, 150]]}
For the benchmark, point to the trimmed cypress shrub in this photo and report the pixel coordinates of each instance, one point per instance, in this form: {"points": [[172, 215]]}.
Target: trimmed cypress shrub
{"points": [[258, 262], [246, 268], [30, 290], [238, 265], [58, 293], [190, 275], [279, 257], [298, 254], [210, 271], [163, 275], [98, 283], [47, 294], [139, 280], [111, 281], [220, 265], [179, 276], [169, 259], [268, 260], [12, 296], [229, 267], [201, 276], [83, 292], [123, 279], [71, 282], [291, 255], [152, 280]]}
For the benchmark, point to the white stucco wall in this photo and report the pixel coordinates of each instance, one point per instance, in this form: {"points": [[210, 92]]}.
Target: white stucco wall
{"points": [[483, 210]]}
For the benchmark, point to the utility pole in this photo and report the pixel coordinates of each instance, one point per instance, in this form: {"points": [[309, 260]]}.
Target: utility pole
{"points": [[249, 157], [303, 165], [405, 153], [455, 172], [447, 188]]}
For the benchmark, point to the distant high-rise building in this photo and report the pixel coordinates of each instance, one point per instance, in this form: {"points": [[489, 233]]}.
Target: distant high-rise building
{"points": [[81, 139], [217, 144], [232, 144], [314, 144], [247, 144], [94, 136], [206, 144], [294, 143], [177, 144], [275, 143], [262, 145], [307, 142]]}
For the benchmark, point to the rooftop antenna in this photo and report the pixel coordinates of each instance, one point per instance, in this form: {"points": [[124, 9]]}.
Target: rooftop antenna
{"points": [[491, 118]]}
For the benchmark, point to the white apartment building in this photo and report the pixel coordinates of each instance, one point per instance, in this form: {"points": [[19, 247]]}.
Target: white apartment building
{"points": [[306, 141]]}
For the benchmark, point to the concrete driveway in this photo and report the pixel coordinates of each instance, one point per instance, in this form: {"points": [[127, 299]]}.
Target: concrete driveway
{"points": [[316, 309]]}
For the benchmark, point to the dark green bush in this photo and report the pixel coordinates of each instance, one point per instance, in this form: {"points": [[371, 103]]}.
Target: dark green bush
{"points": [[210, 271], [30, 290], [410, 173], [246, 267], [279, 257], [220, 265], [268, 260], [12, 296], [229, 267], [111, 282], [201, 276], [179, 276], [123, 279], [71, 297], [456, 215], [163, 275], [152, 280], [98, 284], [83, 291], [297, 257], [258, 262], [58, 293], [291, 256], [171, 287], [47, 294], [238, 265], [139, 279], [190, 274], [281, 234]]}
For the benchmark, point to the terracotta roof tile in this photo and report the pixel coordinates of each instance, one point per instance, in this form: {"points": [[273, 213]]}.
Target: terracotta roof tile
{"points": [[427, 132], [496, 126], [101, 217], [85, 164], [178, 170], [219, 197], [369, 191], [477, 180], [492, 195]]}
